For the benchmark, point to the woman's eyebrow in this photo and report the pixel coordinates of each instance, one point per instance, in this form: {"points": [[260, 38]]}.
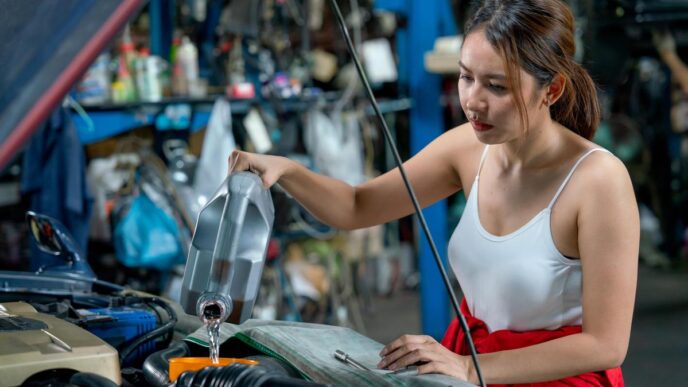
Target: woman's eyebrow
{"points": [[489, 76]]}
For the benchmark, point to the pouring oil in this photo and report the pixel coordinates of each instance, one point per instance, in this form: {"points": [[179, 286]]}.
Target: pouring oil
{"points": [[213, 327], [213, 312]]}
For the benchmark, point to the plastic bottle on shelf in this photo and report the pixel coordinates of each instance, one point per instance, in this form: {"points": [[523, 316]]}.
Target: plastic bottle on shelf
{"points": [[238, 86], [125, 91], [128, 50], [176, 42], [118, 93], [187, 55], [140, 75], [178, 78], [126, 66], [94, 87], [155, 67], [148, 73]]}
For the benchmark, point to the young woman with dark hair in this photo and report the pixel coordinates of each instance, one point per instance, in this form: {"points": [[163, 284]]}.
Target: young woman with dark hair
{"points": [[546, 251]]}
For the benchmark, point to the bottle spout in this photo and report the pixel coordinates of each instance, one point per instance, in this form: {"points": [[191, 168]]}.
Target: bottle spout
{"points": [[213, 307]]}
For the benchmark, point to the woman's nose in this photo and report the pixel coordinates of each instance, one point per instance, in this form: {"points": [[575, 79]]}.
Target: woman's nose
{"points": [[475, 105], [473, 99]]}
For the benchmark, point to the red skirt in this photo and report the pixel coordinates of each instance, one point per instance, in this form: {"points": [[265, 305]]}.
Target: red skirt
{"points": [[486, 342]]}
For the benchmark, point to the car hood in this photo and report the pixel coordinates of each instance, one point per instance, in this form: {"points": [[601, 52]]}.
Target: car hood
{"points": [[45, 46]]}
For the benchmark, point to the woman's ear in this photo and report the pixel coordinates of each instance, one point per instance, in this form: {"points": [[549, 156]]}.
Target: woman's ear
{"points": [[555, 89]]}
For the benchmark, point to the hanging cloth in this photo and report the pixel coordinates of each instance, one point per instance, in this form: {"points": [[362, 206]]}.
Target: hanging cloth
{"points": [[54, 177]]}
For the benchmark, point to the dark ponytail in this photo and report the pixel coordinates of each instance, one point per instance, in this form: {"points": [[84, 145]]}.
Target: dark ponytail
{"points": [[578, 108], [537, 35]]}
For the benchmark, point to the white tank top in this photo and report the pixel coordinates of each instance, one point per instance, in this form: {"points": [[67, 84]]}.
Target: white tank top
{"points": [[518, 281]]}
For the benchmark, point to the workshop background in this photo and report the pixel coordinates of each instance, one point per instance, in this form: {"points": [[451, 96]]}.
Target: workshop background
{"points": [[143, 140]]}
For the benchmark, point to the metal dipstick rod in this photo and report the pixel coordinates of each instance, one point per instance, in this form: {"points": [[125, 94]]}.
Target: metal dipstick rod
{"points": [[409, 188]]}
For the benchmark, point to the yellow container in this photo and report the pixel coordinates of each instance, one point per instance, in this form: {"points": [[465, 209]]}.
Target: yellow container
{"points": [[179, 365]]}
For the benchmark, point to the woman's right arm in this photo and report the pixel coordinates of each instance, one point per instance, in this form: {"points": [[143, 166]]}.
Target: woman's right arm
{"points": [[433, 173]]}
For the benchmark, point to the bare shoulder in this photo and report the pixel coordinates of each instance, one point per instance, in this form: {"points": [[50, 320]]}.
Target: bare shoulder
{"points": [[604, 185], [601, 171]]}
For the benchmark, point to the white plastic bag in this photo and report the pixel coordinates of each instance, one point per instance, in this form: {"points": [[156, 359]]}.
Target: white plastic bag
{"points": [[217, 146], [335, 145]]}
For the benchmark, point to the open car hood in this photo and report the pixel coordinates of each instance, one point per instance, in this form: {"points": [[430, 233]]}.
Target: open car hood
{"points": [[45, 46]]}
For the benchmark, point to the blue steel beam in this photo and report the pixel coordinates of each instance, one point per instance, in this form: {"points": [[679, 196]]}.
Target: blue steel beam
{"points": [[161, 14], [397, 6], [426, 21], [427, 124]]}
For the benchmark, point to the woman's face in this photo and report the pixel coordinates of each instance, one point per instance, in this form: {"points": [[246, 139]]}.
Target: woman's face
{"points": [[485, 96]]}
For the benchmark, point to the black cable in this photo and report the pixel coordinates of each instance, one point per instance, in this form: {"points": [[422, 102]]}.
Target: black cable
{"points": [[154, 307], [416, 205], [168, 327]]}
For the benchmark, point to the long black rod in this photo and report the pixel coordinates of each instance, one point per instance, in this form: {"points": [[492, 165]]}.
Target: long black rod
{"points": [[416, 205]]}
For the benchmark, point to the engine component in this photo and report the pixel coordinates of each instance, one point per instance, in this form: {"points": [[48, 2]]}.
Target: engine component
{"points": [[239, 375], [117, 326], [156, 366], [32, 342]]}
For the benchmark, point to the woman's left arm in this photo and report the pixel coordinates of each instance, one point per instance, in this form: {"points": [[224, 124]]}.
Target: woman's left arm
{"points": [[608, 238]]}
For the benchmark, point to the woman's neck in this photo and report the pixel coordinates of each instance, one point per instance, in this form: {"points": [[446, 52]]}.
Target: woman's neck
{"points": [[535, 150]]}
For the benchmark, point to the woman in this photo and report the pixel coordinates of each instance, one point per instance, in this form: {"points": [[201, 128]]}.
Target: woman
{"points": [[553, 209]]}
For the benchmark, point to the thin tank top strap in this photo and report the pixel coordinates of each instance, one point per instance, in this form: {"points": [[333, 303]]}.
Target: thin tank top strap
{"points": [[573, 169], [482, 160]]}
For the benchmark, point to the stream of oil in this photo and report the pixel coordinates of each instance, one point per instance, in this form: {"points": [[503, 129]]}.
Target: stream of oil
{"points": [[213, 327]]}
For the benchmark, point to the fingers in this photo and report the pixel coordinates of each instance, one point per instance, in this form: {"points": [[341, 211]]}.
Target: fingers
{"points": [[233, 161], [431, 360], [425, 352], [403, 340], [243, 161], [240, 161], [407, 350], [411, 356]]}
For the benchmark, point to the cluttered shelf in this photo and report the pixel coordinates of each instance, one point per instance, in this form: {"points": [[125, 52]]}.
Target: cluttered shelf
{"points": [[98, 122]]}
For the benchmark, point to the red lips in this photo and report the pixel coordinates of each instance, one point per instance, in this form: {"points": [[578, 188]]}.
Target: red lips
{"points": [[480, 126]]}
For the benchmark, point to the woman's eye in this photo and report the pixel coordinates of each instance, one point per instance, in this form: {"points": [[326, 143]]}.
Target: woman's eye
{"points": [[465, 77], [498, 88]]}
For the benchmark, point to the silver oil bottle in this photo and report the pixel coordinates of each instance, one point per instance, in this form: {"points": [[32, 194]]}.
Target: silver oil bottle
{"points": [[228, 249]]}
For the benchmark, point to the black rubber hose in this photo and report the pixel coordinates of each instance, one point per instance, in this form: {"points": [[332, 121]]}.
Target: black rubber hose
{"points": [[275, 366], [239, 375], [156, 367], [168, 327], [86, 379]]}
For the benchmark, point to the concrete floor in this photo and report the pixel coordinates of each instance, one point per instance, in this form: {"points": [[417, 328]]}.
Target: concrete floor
{"points": [[658, 353]]}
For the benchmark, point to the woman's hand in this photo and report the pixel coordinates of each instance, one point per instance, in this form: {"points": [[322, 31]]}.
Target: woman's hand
{"points": [[431, 356], [269, 168]]}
